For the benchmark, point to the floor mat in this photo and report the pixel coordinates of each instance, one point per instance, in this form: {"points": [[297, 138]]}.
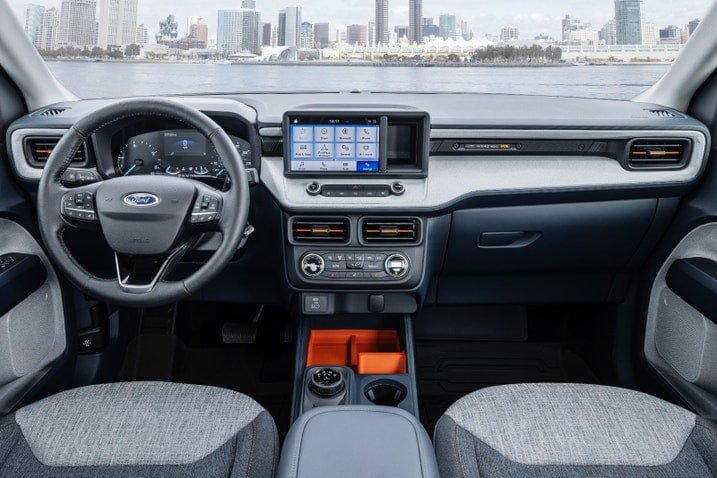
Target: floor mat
{"points": [[448, 370]]}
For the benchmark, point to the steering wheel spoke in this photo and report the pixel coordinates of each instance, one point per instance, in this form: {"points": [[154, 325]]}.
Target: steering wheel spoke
{"points": [[138, 274]]}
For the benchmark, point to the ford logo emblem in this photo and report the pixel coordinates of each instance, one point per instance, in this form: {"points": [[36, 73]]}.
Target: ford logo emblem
{"points": [[141, 200]]}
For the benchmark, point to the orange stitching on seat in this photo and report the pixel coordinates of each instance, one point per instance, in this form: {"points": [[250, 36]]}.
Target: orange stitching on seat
{"points": [[7, 425], [251, 450], [456, 449], [709, 429]]}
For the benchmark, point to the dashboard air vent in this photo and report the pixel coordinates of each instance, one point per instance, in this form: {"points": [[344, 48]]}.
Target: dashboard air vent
{"points": [[658, 152], [40, 148], [375, 230], [320, 230]]}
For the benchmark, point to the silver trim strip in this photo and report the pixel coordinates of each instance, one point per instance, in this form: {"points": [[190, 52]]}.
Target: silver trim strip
{"points": [[19, 161], [452, 178]]}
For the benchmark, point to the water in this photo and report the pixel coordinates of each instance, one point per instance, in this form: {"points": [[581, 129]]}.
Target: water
{"points": [[106, 79]]}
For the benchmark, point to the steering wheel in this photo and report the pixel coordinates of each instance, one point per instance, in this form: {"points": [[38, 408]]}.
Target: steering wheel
{"points": [[149, 221]]}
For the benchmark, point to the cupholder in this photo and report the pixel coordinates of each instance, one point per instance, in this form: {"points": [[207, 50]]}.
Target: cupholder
{"points": [[385, 392]]}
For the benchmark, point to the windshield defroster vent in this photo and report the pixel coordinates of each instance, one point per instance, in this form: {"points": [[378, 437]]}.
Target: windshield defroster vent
{"points": [[663, 113], [38, 150], [388, 230], [658, 153], [51, 111], [333, 230]]}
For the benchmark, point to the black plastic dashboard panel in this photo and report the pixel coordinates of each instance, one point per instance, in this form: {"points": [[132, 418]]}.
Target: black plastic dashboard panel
{"points": [[547, 253]]}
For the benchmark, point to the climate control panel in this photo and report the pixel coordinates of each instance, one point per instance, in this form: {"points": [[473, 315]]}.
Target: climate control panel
{"points": [[357, 265]]}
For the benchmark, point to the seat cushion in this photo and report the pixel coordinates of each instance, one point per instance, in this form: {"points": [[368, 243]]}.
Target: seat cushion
{"points": [[140, 429], [572, 430]]}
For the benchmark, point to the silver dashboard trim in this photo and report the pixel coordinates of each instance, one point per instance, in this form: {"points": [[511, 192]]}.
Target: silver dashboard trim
{"points": [[453, 178], [20, 162]]}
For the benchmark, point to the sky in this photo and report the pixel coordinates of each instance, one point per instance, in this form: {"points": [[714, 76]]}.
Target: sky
{"points": [[532, 17]]}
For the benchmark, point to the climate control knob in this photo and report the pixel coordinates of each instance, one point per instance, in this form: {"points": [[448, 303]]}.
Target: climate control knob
{"points": [[312, 265], [396, 265]]}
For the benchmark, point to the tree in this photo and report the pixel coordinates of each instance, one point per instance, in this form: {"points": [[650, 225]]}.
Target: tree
{"points": [[114, 53], [97, 52], [132, 50]]}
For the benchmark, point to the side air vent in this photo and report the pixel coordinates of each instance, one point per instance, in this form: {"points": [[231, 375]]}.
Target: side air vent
{"points": [[658, 153], [390, 230], [313, 230], [38, 149]]}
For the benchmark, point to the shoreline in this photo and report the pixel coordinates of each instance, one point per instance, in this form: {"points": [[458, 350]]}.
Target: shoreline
{"points": [[362, 63]]}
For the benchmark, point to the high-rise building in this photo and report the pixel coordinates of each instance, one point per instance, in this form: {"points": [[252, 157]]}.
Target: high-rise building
{"points": [[371, 33], [649, 36], [118, 22], [250, 4], [321, 34], [608, 33], [356, 34], [447, 26], [466, 33], [340, 35], [290, 26], [237, 31], [415, 21], [33, 20], [629, 16], [199, 34], [281, 28], [671, 34], [265, 30], [49, 30], [508, 34], [141, 36], [401, 32], [77, 22], [193, 20], [306, 39], [274, 35], [692, 25], [382, 32], [429, 29]]}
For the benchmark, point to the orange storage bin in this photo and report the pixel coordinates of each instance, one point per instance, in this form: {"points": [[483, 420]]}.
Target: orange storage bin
{"points": [[366, 351]]}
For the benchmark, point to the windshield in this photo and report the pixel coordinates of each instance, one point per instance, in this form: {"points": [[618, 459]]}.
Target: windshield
{"points": [[610, 49]]}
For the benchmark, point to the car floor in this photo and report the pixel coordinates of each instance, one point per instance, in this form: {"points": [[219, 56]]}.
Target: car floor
{"points": [[189, 346], [248, 348]]}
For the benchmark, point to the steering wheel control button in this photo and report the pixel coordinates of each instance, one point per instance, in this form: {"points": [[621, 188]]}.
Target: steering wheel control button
{"points": [[327, 382], [206, 209], [79, 205], [312, 265], [78, 177], [396, 265]]}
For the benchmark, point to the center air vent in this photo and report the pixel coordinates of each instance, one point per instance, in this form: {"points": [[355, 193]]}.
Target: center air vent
{"points": [[658, 153], [38, 149], [390, 230], [334, 230]]}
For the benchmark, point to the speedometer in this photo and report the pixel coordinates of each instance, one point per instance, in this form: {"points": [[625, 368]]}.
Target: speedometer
{"points": [[139, 156]]}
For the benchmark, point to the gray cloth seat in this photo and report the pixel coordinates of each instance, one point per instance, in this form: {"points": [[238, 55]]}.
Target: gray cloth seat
{"points": [[140, 429], [561, 430]]}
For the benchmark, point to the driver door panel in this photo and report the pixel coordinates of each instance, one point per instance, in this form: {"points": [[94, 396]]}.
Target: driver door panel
{"points": [[32, 325]]}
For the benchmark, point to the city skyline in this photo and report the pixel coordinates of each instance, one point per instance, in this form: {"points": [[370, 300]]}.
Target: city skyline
{"points": [[482, 17]]}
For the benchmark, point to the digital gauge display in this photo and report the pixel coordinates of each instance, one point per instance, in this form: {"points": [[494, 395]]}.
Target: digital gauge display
{"points": [[185, 153]]}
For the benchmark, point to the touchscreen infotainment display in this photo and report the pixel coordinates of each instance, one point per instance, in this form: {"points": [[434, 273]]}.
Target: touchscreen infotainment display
{"points": [[334, 144]]}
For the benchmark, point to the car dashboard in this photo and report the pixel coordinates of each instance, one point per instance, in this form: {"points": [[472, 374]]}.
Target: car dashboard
{"points": [[428, 198]]}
